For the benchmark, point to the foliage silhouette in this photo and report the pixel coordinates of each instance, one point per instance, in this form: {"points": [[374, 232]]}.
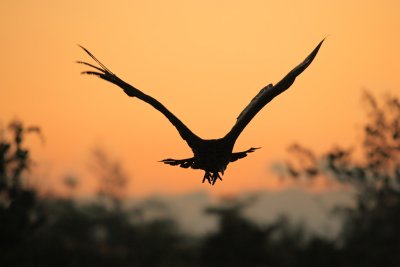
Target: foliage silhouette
{"points": [[241, 242], [371, 236], [19, 215]]}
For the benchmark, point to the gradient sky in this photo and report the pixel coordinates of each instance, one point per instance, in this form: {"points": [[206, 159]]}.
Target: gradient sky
{"points": [[204, 60]]}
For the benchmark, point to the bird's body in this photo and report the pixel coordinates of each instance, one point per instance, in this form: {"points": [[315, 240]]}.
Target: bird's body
{"points": [[212, 155]]}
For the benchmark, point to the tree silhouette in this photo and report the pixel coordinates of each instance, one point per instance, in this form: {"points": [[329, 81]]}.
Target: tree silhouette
{"points": [[241, 242], [17, 203], [238, 242], [371, 236]]}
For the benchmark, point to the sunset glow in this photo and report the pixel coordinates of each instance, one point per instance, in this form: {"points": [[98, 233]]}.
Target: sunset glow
{"points": [[204, 60]]}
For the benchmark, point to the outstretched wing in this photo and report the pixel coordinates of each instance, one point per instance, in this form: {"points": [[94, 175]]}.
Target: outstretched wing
{"points": [[239, 155], [267, 94], [104, 73]]}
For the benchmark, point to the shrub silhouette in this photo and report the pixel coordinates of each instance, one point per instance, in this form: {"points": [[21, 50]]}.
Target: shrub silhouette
{"points": [[18, 212], [370, 236]]}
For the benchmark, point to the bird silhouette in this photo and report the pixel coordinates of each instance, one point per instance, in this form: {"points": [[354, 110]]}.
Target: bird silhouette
{"points": [[210, 155]]}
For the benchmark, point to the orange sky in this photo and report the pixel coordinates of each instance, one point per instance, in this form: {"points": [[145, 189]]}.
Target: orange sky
{"points": [[204, 60]]}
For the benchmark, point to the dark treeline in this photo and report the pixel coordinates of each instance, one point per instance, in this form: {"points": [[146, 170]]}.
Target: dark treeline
{"points": [[54, 231]]}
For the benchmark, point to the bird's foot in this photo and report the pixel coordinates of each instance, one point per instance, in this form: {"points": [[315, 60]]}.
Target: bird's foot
{"points": [[211, 177]]}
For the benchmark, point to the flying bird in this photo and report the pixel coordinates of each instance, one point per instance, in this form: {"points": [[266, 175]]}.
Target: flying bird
{"points": [[210, 155]]}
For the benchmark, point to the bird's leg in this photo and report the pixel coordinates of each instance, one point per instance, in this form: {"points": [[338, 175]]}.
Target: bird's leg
{"points": [[207, 176], [215, 176], [211, 177]]}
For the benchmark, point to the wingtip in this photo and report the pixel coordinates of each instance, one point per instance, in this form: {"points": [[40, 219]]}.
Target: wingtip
{"points": [[104, 68], [326, 37], [318, 46], [81, 46], [310, 57], [92, 73], [320, 43]]}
